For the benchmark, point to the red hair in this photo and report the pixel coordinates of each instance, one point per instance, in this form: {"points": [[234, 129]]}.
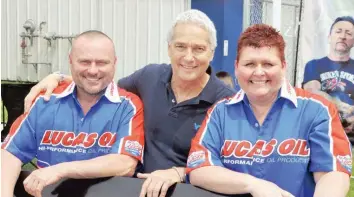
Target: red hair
{"points": [[261, 35]]}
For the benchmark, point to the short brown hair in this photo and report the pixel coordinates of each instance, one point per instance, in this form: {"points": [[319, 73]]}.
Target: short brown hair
{"points": [[261, 35]]}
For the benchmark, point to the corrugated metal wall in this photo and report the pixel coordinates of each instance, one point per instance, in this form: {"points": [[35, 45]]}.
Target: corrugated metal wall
{"points": [[138, 27]]}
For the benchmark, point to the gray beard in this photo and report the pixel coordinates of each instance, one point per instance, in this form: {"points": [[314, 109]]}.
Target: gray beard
{"points": [[342, 53]]}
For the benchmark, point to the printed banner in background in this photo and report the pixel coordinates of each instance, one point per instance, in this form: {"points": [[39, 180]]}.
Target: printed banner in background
{"points": [[316, 23], [327, 57], [317, 19]]}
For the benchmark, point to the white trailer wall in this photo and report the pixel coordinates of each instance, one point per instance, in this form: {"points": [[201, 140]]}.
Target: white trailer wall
{"points": [[138, 27]]}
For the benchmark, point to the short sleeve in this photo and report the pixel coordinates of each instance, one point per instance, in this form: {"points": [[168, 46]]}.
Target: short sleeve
{"points": [[329, 145], [130, 134], [131, 82], [21, 140], [206, 145], [311, 72]]}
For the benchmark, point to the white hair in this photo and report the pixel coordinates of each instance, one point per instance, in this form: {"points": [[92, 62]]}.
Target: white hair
{"points": [[196, 17]]}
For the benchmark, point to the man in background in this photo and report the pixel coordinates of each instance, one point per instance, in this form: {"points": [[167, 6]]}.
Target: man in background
{"points": [[333, 76], [226, 78]]}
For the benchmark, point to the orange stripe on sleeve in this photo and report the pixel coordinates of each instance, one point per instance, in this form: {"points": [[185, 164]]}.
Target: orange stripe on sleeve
{"points": [[18, 122], [14, 129], [339, 143], [199, 156], [137, 124]]}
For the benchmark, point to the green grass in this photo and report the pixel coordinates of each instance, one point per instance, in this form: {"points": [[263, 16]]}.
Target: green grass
{"points": [[3, 113], [30, 166], [351, 189]]}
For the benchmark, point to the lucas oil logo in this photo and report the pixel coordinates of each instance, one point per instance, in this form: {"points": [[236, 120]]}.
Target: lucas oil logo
{"points": [[133, 147], [195, 159], [245, 149], [71, 140]]}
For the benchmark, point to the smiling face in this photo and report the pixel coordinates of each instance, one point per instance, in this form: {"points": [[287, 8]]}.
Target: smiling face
{"points": [[260, 72], [260, 64], [190, 52], [92, 62], [341, 38]]}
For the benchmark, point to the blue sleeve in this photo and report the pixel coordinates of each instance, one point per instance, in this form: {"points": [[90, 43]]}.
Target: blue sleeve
{"points": [[329, 145], [130, 134], [311, 72], [21, 140], [207, 144]]}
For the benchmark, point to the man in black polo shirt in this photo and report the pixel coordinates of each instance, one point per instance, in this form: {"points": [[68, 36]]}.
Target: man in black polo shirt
{"points": [[176, 98]]}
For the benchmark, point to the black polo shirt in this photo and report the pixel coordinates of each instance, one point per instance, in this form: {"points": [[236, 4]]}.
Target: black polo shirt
{"points": [[169, 127]]}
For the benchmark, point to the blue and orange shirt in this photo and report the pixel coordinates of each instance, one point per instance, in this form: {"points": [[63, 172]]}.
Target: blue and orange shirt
{"points": [[58, 131], [301, 134]]}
